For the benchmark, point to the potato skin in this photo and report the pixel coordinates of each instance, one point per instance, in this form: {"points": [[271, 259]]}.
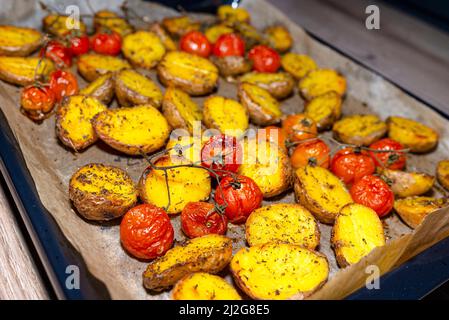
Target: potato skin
{"points": [[325, 110], [443, 173], [231, 66], [280, 85], [105, 204], [143, 49], [91, 66], [279, 37], [178, 26], [360, 130], [21, 70], [407, 184], [24, 49], [413, 210], [102, 88], [210, 253]]}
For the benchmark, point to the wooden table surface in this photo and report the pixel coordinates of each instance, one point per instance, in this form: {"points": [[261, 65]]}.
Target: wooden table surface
{"points": [[408, 51]]}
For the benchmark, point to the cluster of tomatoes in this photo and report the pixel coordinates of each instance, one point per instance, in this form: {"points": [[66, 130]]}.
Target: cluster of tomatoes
{"points": [[146, 231], [263, 58]]}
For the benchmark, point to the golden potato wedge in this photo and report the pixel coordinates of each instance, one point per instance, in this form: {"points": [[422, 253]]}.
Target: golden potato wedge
{"points": [[133, 88], [58, 25], [279, 271], [229, 14], [324, 110], [143, 49], [101, 192], [282, 223], [279, 85], [105, 20], [91, 65], [23, 71], [186, 148], [407, 184], [210, 253], [186, 184], [356, 232], [74, 121], [416, 136], [251, 35], [443, 173], [165, 38], [180, 110], [279, 37], [101, 88], [413, 210], [268, 165], [192, 74], [359, 129], [263, 109], [214, 32], [136, 130], [231, 66], [320, 81], [178, 26], [204, 286], [298, 65], [321, 192], [225, 115], [19, 41]]}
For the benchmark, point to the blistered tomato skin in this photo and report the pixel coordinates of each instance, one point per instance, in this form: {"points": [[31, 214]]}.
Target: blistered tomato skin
{"points": [[200, 218], [58, 53], [223, 154], [265, 59], [389, 160], [229, 44], [108, 43], [195, 42], [351, 165], [311, 152], [37, 99], [63, 84]]}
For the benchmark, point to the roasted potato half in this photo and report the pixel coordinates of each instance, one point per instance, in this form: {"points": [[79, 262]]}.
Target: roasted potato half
{"points": [[133, 88], [279, 271], [282, 223], [143, 49], [58, 25], [263, 109], [210, 253], [227, 13], [186, 184], [136, 130], [192, 74], [416, 136], [23, 71], [231, 66], [214, 32], [101, 192], [165, 38], [74, 121], [359, 129], [101, 88], [19, 41], [178, 26], [443, 173], [186, 148], [407, 184], [180, 110], [225, 115], [91, 65], [204, 286], [320, 81], [321, 192], [413, 210], [105, 20], [298, 65], [356, 232], [324, 110], [250, 34], [268, 165], [279, 37], [280, 85]]}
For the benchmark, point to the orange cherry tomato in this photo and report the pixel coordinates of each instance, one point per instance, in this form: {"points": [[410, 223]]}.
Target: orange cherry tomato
{"points": [[146, 231], [37, 101], [298, 127], [200, 218], [274, 135], [265, 59], [390, 160], [373, 192], [314, 151], [108, 43], [195, 42], [58, 53], [351, 165], [229, 44], [63, 84]]}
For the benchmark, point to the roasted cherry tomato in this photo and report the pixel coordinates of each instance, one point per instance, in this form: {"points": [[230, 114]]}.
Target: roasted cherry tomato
{"points": [[196, 43], [63, 84], [311, 152], [37, 101], [58, 53], [240, 196], [298, 127], [351, 165], [390, 160], [274, 135], [265, 59], [229, 44], [79, 43], [200, 218], [373, 192], [109, 43], [146, 231], [223, 154]]}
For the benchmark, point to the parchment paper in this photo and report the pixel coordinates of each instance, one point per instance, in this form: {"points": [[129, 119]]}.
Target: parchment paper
{"points": [[51, 165]]}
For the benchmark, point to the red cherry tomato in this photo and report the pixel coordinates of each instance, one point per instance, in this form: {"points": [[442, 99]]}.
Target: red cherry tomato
{"points": [[241, 196], [109, 43], [200, 218], [229, 44], [37, 101], [315, 151], [58, 53], [63, 84], [146, 231], [79, 44], [195, 42], [390, 160], [222, 153], [350, 165], [373, 192], [265, 59]]}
